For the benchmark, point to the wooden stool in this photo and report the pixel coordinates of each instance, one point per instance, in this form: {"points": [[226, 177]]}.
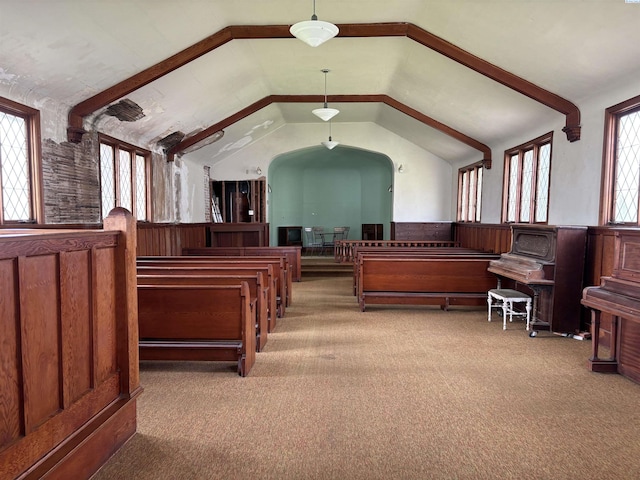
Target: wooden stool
{"points": [[505, 299]]}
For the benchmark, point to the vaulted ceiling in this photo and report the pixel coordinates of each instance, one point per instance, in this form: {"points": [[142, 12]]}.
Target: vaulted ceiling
{"points": [[83, 56]]}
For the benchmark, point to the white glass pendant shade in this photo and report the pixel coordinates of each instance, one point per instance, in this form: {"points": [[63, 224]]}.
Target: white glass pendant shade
{"points": [[314, 32], [330, 144], [325, 113]]}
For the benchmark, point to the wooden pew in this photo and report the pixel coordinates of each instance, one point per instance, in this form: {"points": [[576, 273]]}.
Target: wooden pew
{"points": [[168, 267], [280, 262], [279, 265], [442, 280], [292, 253], [258, 291], [197, 322], [413, 252]]}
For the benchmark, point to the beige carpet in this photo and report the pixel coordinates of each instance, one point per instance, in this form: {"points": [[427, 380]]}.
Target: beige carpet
{"points": [[392, 393]]}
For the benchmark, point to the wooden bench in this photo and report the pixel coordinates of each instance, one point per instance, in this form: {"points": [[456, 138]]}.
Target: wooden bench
{"points": [[277, 265], [167, 267], [197, 322], [257, 290], [280, 270], [413, 252], [291, 253], [443, 280]]}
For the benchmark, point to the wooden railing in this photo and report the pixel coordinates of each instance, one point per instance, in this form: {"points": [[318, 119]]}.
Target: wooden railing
{"points": [[344, 251], [69, 354]]}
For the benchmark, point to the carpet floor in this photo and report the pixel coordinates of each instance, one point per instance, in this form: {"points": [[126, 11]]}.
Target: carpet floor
{"points": [[391, 393]]}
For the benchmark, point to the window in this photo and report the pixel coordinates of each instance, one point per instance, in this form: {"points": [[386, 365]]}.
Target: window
{"points": [[469, 193], [20, 172], [124, 178], [527, 174], [621, 175]]}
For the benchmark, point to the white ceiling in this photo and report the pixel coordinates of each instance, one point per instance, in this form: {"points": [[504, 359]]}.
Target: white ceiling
{"points": [[70, 50]]}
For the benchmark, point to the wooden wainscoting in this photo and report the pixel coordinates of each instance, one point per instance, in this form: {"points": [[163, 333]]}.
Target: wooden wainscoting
{"points": [[162, 239], [486, 237], [421, 231]]}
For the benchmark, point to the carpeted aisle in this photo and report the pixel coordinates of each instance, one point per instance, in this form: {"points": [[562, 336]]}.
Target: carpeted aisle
{"points": [[392, 393]]}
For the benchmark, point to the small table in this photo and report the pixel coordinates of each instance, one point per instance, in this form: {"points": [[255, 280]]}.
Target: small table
{"points": [[505, 299]]}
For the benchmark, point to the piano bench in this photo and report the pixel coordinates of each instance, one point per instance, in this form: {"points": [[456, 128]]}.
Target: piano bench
{"points": [[505, 299]]}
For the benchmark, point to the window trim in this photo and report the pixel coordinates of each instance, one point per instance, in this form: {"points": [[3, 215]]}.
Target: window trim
{"points": [[135, 150], [31, 117], [472, 197], [611, 116], [520, 150]]}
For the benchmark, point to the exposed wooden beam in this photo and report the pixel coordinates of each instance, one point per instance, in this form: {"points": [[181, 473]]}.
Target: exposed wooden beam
{"points": [[387, 100], [520, 85], [104, 98]]}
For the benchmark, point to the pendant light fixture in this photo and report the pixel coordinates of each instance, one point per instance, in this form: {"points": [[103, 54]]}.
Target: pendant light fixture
{"points": [[325, 113], [330, 144], [314, 32]]}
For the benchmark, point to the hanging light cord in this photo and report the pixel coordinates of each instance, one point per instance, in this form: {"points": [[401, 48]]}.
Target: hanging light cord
{"points": [[325, 86], [314, 16]]}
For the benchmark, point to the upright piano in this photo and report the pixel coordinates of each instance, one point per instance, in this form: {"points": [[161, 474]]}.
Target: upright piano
{"points": [[616, 304], [547, 263]]}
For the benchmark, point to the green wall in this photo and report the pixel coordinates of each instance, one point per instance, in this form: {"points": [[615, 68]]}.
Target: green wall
{"points": [[330, 188]]}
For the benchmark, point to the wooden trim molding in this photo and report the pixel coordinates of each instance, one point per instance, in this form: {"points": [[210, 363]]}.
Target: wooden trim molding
{"points": [[387, 100], [75, 127]]}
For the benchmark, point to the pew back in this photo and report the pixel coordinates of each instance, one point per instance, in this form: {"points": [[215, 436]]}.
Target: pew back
{"points": [[197, 322], [279, 265], [200, 269], [414, 252], [440, 281], [257, 291], [291, 253]]}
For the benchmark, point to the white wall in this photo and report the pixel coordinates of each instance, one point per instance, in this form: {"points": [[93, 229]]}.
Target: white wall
{"points": [[576, 168], [421, 193], [189, 184]]}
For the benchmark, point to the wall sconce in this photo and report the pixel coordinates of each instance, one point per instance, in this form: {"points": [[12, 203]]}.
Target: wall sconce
{"points": [[259, 171], [400, 168], [268, 188], [390, 189]]}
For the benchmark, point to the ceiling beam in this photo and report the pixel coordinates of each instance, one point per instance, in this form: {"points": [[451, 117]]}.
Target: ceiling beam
{"points": [[387, 100], [75, 128]]}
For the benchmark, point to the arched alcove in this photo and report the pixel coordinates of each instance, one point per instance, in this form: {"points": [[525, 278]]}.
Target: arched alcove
{"points": [[345, 186]]}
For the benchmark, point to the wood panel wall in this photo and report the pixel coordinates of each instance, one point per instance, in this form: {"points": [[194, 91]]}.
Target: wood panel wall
{"points": [[69, 353], [421, 231], [170, 238], [490, 238]]}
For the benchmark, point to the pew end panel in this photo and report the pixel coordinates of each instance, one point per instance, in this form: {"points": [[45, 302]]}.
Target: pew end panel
{"points": [[68, 318]]}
